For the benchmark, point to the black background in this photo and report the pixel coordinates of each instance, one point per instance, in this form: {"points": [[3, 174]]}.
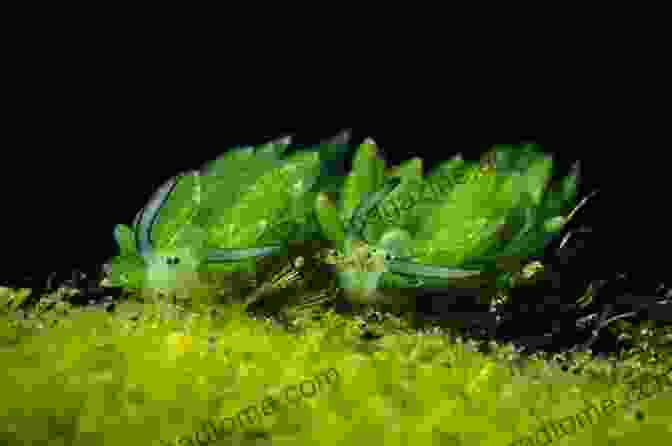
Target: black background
{"points": [[84, 149]]}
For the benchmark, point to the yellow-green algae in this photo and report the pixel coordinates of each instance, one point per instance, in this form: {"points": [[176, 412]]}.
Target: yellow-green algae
{"points": [[150, 373]]}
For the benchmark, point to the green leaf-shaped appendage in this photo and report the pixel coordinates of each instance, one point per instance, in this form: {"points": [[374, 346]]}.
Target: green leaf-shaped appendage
{"points": [[178, 212], [466, 223], [277, 207], [366, 177], [329, 219], [235, 171]]}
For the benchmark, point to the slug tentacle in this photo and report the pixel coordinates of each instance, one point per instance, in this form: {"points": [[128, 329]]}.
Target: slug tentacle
{"points": [[148, 217]]}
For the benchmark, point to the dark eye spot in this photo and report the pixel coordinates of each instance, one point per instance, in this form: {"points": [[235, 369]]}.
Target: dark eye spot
{"points": [[172, 260]]}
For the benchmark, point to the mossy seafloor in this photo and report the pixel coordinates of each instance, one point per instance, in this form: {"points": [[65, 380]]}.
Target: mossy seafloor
{"points": [[147, 374]]}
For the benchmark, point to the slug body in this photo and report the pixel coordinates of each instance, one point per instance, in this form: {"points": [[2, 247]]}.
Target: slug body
{"points": [[464, 221], [216, 222]]}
